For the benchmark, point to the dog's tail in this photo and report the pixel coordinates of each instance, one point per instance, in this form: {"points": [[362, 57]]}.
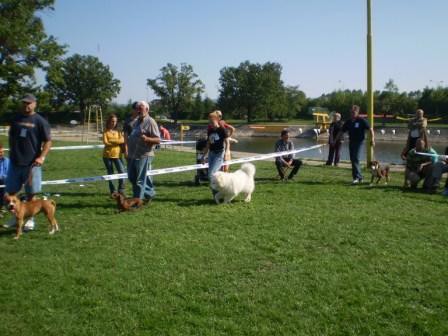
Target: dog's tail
{"points": [[249, 169]]}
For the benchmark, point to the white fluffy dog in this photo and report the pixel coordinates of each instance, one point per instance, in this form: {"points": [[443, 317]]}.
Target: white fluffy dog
{"points": [[230, 185]]}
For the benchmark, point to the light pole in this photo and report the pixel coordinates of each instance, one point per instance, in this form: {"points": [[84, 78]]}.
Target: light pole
{"points": [[370, 108]]}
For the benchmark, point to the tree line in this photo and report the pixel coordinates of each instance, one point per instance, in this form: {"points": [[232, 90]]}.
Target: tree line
{"points": [[249, 91]]}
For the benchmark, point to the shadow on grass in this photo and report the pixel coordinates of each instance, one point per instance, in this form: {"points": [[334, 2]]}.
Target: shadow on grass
{"points": [[79, 205], [186, 203], [7, 232], [170, 184], [74, 193]]}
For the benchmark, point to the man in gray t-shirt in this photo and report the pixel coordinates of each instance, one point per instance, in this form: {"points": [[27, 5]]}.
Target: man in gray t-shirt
{"points": [[140, 143]]}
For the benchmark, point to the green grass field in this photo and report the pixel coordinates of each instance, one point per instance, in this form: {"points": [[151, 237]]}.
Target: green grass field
{"points": [[310, 257]]}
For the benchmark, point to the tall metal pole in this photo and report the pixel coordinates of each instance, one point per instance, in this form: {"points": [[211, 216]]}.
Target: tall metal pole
{"points": [[370, 107]]}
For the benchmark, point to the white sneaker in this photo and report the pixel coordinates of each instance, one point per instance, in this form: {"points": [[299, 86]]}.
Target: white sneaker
{"points": [[11, 223], [355, 181], [29, 225]]}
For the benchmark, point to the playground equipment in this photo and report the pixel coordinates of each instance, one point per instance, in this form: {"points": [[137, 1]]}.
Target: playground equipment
{"points": [[93, 116], [321, 121], [183, 128]]}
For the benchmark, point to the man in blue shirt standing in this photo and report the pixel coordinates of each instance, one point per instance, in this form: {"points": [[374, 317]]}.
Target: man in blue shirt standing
{"points": [[29, 144], [356, 127]]}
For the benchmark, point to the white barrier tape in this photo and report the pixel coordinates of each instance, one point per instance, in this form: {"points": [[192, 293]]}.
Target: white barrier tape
{"points": [[175, 142], [178, 169], [442, 157], [168, 142]]}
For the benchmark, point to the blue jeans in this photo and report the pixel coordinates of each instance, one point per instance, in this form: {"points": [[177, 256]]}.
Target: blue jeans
{"points": [[142, 186], [110, 163], [2, 192], [23, 175], [354, 149], [215, 160]]}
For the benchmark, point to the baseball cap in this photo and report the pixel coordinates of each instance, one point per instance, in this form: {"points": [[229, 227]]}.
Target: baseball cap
{"points": [[29, 98]]}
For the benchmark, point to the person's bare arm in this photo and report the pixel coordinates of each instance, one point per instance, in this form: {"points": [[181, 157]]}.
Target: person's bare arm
{"points": [[231, 130], [227, 145], [206, 149], [423, 165], [45, 149], [151, 140], [125, 135]]}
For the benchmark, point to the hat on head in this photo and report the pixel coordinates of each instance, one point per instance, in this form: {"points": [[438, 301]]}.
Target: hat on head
{"points": [[29, 98]]}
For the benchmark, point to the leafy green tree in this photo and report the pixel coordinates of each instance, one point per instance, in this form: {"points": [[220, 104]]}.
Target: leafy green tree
{"points": [[435, 101], [208, 105], [296, 100], [389, 100], [198, 108], [341, 101], [253, 90], [24, 46], [176, 88], [83, 81]]}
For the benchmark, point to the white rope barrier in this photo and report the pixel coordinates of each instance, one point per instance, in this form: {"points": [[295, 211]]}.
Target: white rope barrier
{"points": [[178, 169], [441, 157], [164, 142]]}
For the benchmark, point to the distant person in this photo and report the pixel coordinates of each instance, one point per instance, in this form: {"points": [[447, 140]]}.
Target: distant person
{"points": [[140, 143], [417, 130], [164, 133], [230, 131], [281, 162], [356, 128], [418, 166], [4, 166], [29, 144], [335, 140], [217, 145], [113, 141], [127, 129]]}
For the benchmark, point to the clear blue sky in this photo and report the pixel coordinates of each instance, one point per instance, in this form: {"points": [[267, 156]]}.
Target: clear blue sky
{"points": [[319, 43]]}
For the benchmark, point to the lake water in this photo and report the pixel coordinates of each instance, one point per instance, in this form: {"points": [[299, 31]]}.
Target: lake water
{"points": [[388, 152]]}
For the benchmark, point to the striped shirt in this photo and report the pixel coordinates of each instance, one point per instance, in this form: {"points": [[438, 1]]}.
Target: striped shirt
{"points": [[282, 146], [137, 148]]}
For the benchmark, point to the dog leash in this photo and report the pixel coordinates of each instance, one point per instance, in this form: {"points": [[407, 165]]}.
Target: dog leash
{"points": [[29, 180]]}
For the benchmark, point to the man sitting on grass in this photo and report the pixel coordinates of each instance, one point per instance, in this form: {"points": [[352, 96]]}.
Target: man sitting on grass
{"points": [[282, 162], [432, 180], [418, 166]]}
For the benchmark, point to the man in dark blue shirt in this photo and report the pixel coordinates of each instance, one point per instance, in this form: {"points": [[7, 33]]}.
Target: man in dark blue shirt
{"points": [[29, 144], [356, 128]]}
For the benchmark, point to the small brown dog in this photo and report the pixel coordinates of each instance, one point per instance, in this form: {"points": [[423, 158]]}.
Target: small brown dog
{"points": [[24, 210], [126, 204], [379, 172]]}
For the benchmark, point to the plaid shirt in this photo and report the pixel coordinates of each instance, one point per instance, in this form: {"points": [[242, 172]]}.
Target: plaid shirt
{"points": [[137, 148], [282, 146]]}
